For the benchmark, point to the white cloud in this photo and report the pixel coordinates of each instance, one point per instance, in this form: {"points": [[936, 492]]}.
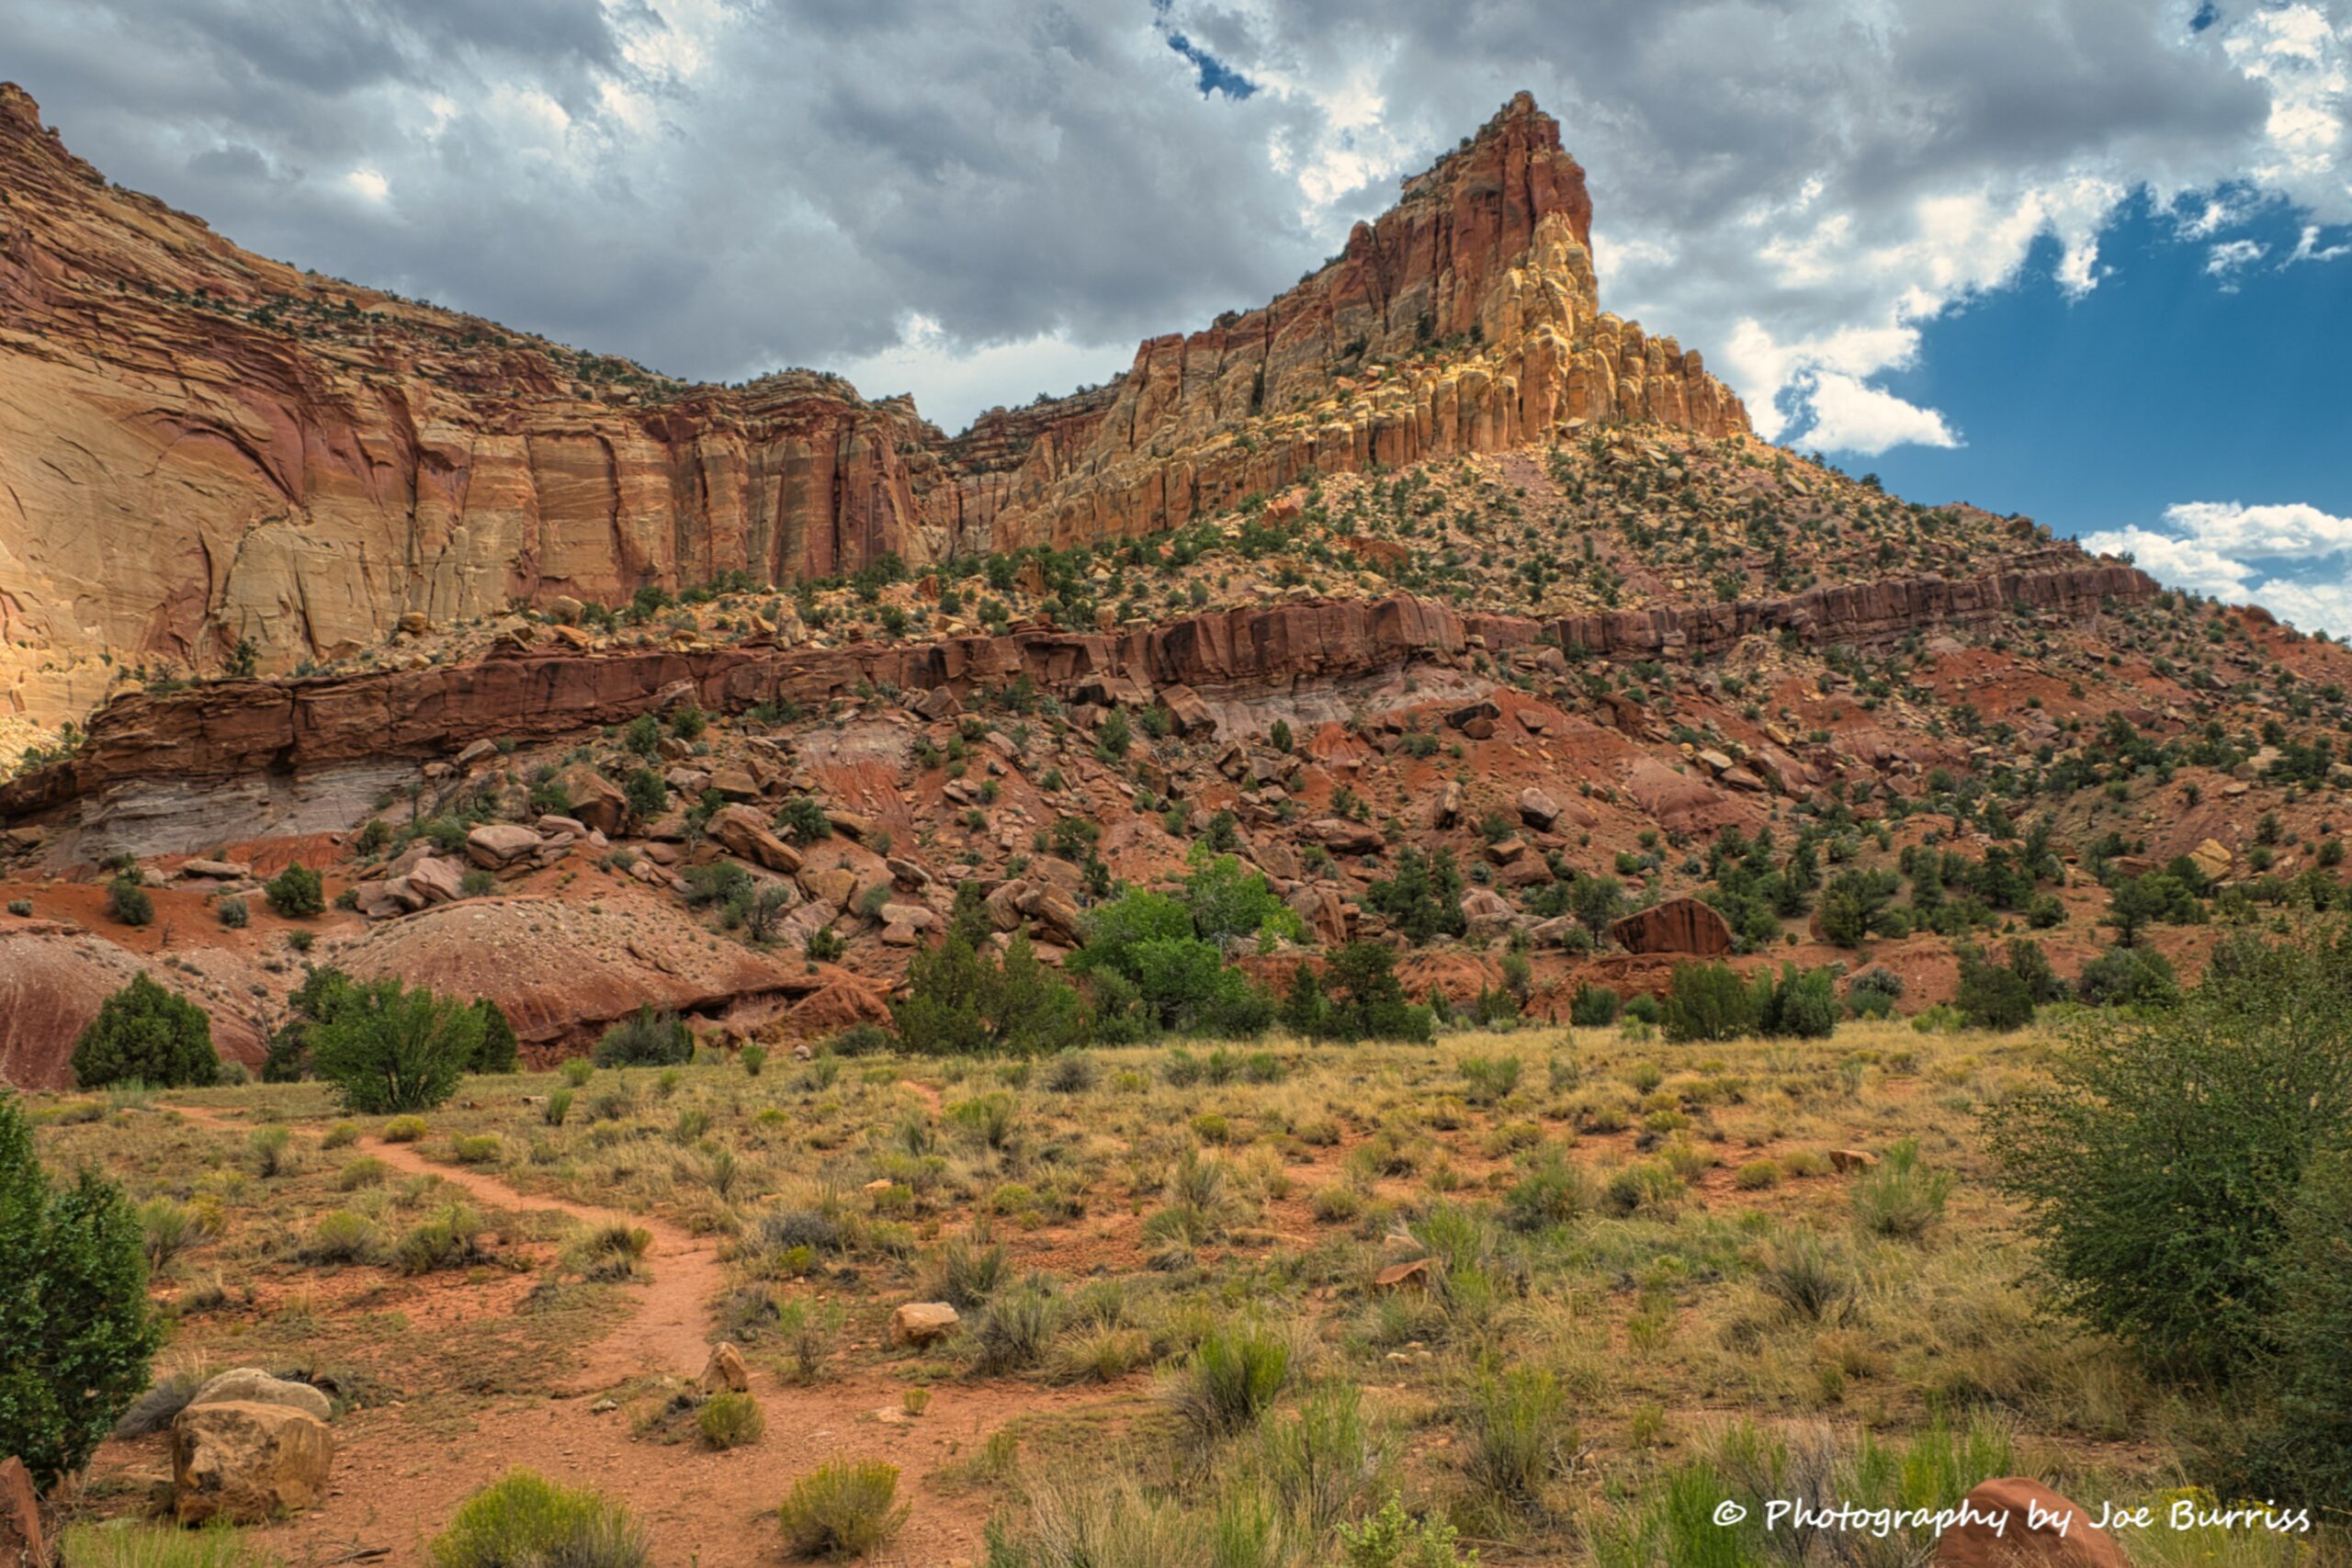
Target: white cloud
{"points": [[2249, 555], [1851, 417], [2308, 249], [369, 183], [2228, 258], [944, 375]]}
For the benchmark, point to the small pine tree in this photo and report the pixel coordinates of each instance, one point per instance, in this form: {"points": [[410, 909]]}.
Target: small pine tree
{"points": [[74, 1310], [144, 1034], [500, 1049]]}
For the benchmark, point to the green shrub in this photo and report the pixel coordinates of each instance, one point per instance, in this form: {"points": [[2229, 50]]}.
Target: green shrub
{"points": [[404, 1130], [961, 1000], [1709, 1001], [1233, 1376], [389, 1048], [2304, 1445], [1519, 1437], [1391, 1539], [1015, 1330], [2128, 976], [231, 913], [73, 1311], [730, 1420], [296, 893], [1593, 1007], [499, 1050], [1803, 1005], [479, 1149], [522, 1520], [450, 1239], [844, 1508], [144, 1034], [165, 1226], [1901, 1197], [340, 1236], [128, 903], [2160, 1163], [646, 1038], [1993, 996]]}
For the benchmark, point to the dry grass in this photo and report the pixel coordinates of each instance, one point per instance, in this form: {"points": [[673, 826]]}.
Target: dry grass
{"points": [[1606, 1274]]}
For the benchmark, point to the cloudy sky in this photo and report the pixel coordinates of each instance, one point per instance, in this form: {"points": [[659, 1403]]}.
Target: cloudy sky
{"points": [[2085, 259]]}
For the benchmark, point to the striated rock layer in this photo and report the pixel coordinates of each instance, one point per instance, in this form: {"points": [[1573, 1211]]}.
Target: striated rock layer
{"points": [[198, 446], [286, 728]]}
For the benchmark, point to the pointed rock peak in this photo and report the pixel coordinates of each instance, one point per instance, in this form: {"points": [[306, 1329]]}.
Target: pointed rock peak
{"points": [[1515, 165]]}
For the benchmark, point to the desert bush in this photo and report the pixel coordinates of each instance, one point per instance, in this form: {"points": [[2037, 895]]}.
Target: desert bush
{"points": [[128, 902], [1392, 1538], [1014, 1329], [404, 1130], [1709, 1001], [1812, 1279], [388, 1048], [296, 893], [967, 1271], [340, 1236], [609, 1253], [2160, 1162], [499, 1050], [1519, 1437], [73, 1311], [1993, 996], [144, 1034], [449, 1239], [730, 1421], [1593, 1007], [1900, 1196], [165, 1226], [961, 1000], [233, 913], [1232, 1377], [522, 1520], [646, 1038], [844, 1508]]}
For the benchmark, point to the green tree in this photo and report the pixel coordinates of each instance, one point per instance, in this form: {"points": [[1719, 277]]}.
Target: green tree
{"points": [[500, 1050], [73, 1311], [296, 893], [1113, 736], [389, 1048], [1709, 1001], [2159, 1164], [963, 1000], [1993, 996], [1424, 899], [144, 1034], [2304, 1445], [315, 1001], [647, 1037]]}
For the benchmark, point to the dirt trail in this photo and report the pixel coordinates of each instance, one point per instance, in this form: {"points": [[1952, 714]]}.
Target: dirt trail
{"points": [[666, 1327], [394, 1487]]}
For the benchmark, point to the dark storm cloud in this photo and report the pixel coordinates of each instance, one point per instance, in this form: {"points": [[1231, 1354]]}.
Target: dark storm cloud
{"points": [[719, 186]]}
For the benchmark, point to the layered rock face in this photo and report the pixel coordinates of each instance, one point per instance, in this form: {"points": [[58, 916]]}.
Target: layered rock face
{"points": [[198, 446], [231, 729]]}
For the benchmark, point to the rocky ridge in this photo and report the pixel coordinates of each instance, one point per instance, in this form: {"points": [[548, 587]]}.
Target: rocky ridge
{"points": [[235, 450]]}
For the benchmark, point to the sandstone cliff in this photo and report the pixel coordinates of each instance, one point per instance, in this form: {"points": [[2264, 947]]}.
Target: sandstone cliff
{"points": [[198, 446], [240, 727]]}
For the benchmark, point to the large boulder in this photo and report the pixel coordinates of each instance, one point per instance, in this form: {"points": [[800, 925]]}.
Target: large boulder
{"points": [[1191, 714], [441, 879], [1677, 925], [1537, 809], [495, 845], [245, 1463], [2032, 1528], [595, 799], [742, 832], [1485, 914], [251, 1385], [922, 1323]]}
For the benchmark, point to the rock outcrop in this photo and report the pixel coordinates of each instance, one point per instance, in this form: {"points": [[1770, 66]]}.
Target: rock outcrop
{"points": [[1677, 925], [232, 727], [246, 1463], [200, 446]]}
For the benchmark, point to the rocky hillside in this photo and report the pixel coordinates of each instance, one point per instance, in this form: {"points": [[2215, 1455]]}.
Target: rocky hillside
{"points": [[235, 451]]}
